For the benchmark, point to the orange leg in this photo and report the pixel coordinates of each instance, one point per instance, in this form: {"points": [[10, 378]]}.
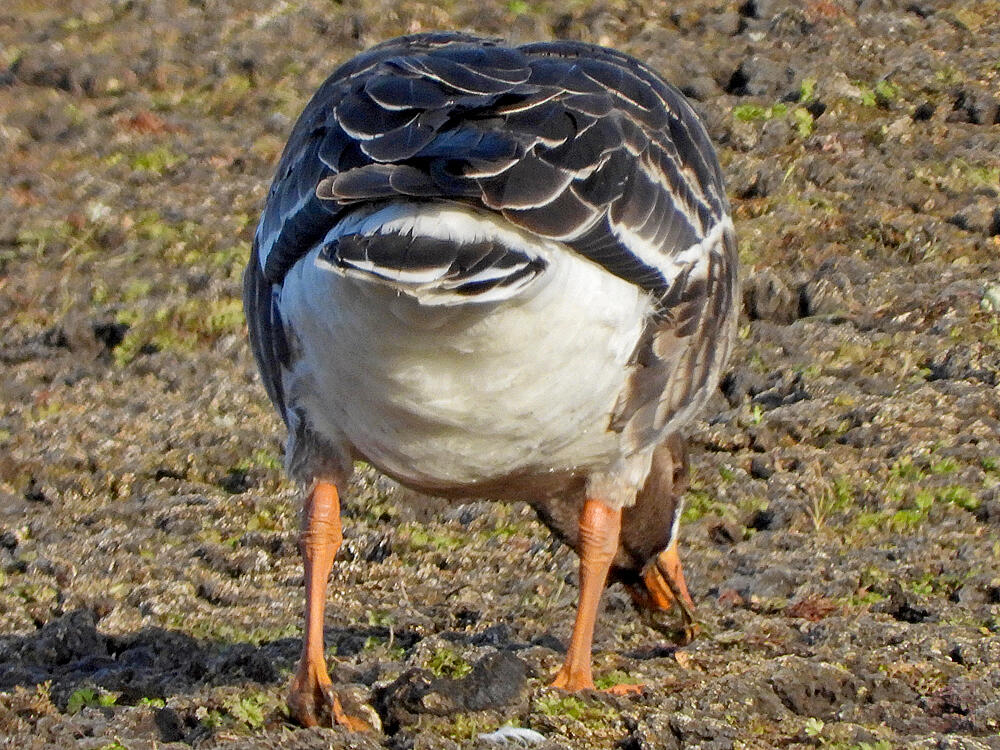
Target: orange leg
{"points": [[311, 695], [599, 530], [666, 585]]}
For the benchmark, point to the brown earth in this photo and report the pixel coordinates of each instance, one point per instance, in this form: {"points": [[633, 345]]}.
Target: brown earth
{"points": [[841, 534]]}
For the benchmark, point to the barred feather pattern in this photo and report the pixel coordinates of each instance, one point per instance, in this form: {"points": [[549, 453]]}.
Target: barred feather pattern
{"points": [[567, 141]]}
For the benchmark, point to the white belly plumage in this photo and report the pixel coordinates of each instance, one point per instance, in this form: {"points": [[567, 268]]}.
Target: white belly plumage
{"points": [[454, 396]]}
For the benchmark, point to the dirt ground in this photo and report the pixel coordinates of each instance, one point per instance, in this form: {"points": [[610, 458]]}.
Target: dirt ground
{"points": [[841, 533]]}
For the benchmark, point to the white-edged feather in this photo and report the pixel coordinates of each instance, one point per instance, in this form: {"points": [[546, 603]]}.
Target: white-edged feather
{"points": [[670, 266], [265, 243], [449, 223]]}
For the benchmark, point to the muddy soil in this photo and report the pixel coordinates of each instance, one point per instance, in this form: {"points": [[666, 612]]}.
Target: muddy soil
{"points": [[842, 531]]}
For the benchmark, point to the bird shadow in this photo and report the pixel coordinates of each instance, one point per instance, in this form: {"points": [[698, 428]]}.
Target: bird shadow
{"points": [[70, 653]]}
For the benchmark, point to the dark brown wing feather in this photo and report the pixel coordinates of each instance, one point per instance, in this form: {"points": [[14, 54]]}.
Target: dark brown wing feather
{"points": [[567, 140], [267, 333]]}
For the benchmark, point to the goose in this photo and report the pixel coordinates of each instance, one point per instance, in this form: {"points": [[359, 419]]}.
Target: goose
{"points": [[496, 271]]}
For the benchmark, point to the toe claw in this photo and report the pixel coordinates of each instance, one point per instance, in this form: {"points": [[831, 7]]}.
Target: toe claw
{"points": [[312, 701]]}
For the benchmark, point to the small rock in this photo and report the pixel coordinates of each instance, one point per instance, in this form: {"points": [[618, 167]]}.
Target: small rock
{"points": [[898, 128], [35, 493], [731, 598], [379, 549], [775, 135], [495, 681], [773, 398], [991, 294], [903, 606], [761, 8], [740, 384], [825, 295], [812, 608], [726, 23], [50, 66], [55, 338], [169, 725], [767, 297], [67, 639], [976, 107], [924, 10], [762, 520], [986, 719], [989, 511], [659, 651], [840, 87], [763, 438], [761, 468], [924, 112], [8, 540], [814, 689], [110, 333], [701, 88], [220, 593], [786, 389], [549, 641], [725, 532], [960, 363], [701, 732], [771, 582], [236, 481], [816, 108], [962, 695], [496, 636], [982, 216], [978, 591], [761, 76], [683, 659], [398, 703], [650, 732], [752, 178]]}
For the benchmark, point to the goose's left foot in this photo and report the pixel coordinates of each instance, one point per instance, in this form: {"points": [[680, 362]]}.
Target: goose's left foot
{"points": [[313, 702]]}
